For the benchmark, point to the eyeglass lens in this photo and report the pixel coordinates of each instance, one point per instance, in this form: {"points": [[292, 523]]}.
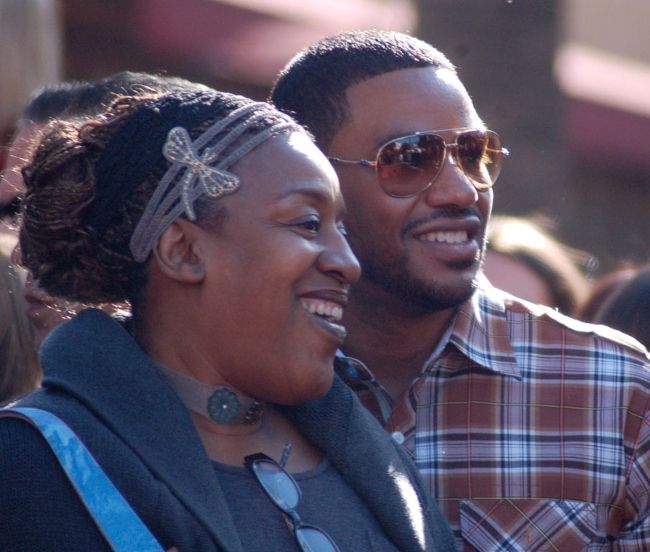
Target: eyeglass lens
{"points": [[408, 165], [278, 485], [283, 490], [312, 539]]}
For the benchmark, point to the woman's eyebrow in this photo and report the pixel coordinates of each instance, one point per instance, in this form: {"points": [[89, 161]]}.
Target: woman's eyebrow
{"points": [[308, 190]]}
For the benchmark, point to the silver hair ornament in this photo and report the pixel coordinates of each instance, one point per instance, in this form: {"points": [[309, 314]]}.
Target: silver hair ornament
{"points": [[179, 149]]}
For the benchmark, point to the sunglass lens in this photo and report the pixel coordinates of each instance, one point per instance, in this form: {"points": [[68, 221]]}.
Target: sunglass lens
{"points": [[479, 154], [407, 165], [277, 484], [312, 539]]}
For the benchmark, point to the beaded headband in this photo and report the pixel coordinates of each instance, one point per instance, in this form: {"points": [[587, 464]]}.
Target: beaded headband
{"points": [[203, 166]]}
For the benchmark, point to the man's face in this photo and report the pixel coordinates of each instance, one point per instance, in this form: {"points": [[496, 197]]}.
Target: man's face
{"points": [[422, 252]]}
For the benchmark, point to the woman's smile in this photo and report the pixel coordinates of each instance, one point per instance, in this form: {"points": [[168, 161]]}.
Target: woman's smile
{"points": [[327, 313]]}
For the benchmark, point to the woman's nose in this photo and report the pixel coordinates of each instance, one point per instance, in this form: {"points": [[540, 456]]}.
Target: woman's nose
{"points": [[339, 259], [16, 255]]}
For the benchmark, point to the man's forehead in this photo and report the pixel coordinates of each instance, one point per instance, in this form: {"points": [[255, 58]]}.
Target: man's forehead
{"points": [[406, 101]]}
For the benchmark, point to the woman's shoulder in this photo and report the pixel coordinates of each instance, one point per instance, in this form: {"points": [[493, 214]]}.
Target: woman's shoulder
{"points": [[35, 493], [28, 466]]}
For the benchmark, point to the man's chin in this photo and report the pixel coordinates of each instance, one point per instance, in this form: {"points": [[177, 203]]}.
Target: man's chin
{"points": [[442, 288], [438, 296]]}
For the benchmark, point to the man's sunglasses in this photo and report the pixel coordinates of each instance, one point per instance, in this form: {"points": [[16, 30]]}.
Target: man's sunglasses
{"points": [[284, 492], [407, 165]]}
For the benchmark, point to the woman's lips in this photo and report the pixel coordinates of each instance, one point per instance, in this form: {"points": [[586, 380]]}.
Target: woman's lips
{"points": [[327, 314]]}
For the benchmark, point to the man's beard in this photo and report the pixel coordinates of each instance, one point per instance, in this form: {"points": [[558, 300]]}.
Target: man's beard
{"points": [[392, 275]]}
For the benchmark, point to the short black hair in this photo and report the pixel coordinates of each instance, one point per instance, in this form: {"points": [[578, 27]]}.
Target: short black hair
{"points": [[100, 94], [312, 87], [51, 100], [89, 98]]}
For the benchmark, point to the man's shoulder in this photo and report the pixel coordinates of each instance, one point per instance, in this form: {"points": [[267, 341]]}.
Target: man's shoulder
{"points": [[546, 329]]}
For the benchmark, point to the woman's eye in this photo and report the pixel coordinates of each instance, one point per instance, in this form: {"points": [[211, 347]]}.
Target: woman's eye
{"points": [[310, 224]]}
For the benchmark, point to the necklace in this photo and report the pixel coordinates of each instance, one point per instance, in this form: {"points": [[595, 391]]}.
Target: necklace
{"points": [[220, 404]]}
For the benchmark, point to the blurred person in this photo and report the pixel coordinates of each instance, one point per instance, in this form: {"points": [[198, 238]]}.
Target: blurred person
{"points": [[30, 42], [220, 221], [602, 289], [627, 306], [525, 259], [531, 429], [73, 101], [19, 368], [70, 100], [43, 104]]}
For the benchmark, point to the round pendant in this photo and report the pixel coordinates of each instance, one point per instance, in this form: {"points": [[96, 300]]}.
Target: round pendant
{"points": [[223, 406]]}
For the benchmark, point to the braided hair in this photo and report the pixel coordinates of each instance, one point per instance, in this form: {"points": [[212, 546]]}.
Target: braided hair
{"points": [[89, 184]]}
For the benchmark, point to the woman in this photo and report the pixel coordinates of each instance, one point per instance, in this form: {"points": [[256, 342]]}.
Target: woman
{"points": [[524, 258], [65, 100], [627, 308], [219, 220], [19, 368]]}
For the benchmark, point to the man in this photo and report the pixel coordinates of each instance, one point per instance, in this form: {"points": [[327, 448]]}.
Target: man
{"points": [[531, 429]]}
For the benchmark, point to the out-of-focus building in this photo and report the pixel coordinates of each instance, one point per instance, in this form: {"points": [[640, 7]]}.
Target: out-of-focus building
{"points": [[239, 45], [564, 81], [30, 56], [566, 84], [603, 69]]}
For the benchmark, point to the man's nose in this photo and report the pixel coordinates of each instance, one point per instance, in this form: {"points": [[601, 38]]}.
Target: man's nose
{"points": [[452, 187]]}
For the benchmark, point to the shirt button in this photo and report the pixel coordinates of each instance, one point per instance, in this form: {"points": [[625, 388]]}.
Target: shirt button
{"points": [[398, 437]]}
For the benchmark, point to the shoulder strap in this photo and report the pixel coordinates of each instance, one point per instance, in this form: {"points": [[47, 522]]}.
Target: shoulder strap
{"points": [[117, 521]]}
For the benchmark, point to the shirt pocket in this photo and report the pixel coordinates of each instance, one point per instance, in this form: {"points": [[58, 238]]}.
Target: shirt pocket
{"points": [[528, 525]]}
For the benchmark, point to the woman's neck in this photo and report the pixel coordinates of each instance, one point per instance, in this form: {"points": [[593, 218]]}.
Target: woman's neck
{"points": [[229, 445]]}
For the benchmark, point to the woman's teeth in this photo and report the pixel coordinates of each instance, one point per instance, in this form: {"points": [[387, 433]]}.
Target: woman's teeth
{"points": [[326, 309]]}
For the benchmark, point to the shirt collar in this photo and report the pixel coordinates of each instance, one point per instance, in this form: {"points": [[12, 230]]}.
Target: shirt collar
{"points": [[481, 330]]}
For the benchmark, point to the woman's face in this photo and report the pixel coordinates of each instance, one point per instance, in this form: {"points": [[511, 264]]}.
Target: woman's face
{"points": [[44, 312], [278, 272], [20, 152]]}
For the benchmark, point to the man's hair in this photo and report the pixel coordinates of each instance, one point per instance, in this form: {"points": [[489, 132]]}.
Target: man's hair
{"points": [[312, 87], [86, 99], [51, 100]]}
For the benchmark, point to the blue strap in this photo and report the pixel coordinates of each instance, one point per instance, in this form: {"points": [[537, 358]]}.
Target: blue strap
{"points": [[118, 522]]}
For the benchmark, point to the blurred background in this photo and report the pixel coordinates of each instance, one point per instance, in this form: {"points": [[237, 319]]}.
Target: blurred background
{"points": [[565, 82]]}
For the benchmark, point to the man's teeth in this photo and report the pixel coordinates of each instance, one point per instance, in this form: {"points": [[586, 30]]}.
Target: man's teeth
{"points": [[328, 310], [446, 237]]}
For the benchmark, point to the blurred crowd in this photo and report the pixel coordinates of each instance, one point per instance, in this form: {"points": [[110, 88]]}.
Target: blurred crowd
{"points": [[170, 148], [524, 257]]}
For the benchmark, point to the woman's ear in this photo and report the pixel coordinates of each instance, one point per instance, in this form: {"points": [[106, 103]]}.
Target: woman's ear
{"points": [[178, 253]]}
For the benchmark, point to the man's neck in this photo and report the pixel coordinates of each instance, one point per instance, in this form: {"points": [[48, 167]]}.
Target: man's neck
{"points": [[392, 342]]}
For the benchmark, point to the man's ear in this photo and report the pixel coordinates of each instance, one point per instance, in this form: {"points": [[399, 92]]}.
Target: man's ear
{"points": [[178, 253]]}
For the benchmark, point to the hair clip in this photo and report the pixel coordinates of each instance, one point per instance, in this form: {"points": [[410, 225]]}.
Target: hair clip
{"points": [[179, 149]]}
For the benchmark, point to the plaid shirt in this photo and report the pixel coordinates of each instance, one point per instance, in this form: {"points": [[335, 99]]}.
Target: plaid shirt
{"points": [[531, 429]]}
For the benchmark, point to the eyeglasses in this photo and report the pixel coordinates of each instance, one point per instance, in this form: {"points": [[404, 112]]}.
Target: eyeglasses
{"points": [[284, 492], [408, 165]]}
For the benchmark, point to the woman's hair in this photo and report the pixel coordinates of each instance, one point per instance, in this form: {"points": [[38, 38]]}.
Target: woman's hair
{"points": [[30, 42], [627, 307], [604, 287], [19, 368], [529, 241], [88, 187]]}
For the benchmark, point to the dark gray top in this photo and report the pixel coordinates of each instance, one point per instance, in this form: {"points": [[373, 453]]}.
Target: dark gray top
{"points": [[326, 502], [114, 397]]}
